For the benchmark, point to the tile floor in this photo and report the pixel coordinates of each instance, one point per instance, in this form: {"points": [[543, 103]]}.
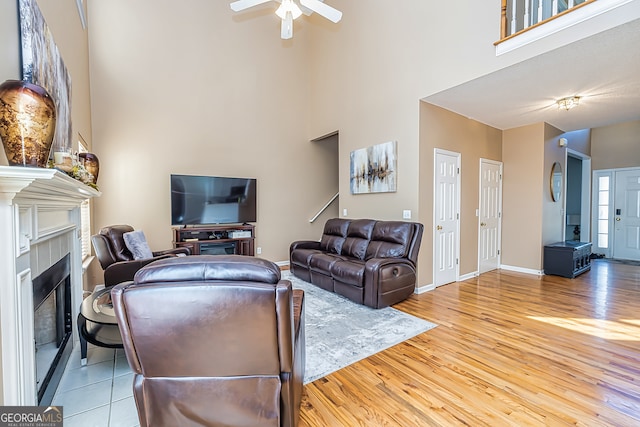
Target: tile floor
{"points": [[99, 394]]}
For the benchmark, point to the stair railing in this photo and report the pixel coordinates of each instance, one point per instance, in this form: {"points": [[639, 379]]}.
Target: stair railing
{"points": [[520, 15], [324, 207]]}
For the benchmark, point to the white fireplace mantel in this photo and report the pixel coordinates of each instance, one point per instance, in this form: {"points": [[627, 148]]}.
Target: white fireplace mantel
{"points": [[39, 224]]}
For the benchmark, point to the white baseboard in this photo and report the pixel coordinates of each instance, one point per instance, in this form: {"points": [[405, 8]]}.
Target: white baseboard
{"points": [[468, 276], [424, 288], [522, 270]]}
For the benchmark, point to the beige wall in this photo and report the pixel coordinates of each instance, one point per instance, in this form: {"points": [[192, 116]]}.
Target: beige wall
{"points": [[616, 146], [369, 73], [579, 140], [190, 88], [440, 128], [552, 212], [10, 67], [522, 196], [531, 218]]}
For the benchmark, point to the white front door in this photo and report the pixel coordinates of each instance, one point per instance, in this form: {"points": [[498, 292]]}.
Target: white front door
{"points": [[489, 215], [446, 216], [626, 211]]}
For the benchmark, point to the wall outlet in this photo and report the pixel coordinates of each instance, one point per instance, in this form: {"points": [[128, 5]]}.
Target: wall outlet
{"points": [[344, 212], [258, 250], [406, 214]]}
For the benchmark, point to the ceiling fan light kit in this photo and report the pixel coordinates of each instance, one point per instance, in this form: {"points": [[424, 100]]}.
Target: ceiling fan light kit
{"points": [[288, 7], [289, 10]]}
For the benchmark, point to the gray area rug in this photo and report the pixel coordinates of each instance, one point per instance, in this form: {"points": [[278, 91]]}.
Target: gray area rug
{"points": [[340, 332]]}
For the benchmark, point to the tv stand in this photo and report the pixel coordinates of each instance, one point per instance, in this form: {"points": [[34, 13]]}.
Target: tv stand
{"points": [[216, 239]]}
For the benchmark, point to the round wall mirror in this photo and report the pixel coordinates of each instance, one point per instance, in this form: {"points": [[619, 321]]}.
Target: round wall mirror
{"points": [[556, 182]]}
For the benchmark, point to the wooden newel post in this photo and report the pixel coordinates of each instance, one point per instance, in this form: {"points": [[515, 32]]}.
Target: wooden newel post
{"points": [[503, 20]]}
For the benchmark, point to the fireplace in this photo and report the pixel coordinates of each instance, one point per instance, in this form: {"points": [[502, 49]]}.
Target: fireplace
{"points": [[52, 326], [40, 246]]}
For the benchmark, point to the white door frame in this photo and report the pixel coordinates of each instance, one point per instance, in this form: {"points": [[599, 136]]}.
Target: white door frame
{"points": [[611, 173], [458, 157], [585, 203], [594, 217], [479, 212]]}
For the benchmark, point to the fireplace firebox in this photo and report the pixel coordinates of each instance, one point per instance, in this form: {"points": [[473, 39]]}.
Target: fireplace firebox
{"points": [[52, 326]]}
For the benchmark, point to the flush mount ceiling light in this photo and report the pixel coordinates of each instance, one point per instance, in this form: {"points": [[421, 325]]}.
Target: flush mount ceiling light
{"points": [[289, 10], [568, 103]]}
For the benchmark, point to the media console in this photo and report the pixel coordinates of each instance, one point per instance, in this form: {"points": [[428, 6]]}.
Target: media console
{"points": [[216, 239]]}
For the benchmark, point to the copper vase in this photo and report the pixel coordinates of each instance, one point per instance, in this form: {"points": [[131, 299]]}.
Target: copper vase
{"points": [[27, 123], [91, 164]]}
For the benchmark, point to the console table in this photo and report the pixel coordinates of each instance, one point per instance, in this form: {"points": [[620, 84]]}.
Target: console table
{"points": [[567, 259], [216, 239]]}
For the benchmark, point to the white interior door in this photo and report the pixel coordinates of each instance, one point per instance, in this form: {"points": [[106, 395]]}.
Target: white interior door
{"points": [[446, 217], [489, 215], [626, 212]]}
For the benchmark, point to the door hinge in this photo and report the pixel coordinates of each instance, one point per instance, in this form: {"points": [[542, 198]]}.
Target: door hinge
{"points": [[457, 261], [458, 171], [457, 216], [499, 214], [498, 251]]}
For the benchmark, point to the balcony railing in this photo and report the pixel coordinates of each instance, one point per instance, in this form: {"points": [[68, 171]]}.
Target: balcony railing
{"points": [[520, 15]]}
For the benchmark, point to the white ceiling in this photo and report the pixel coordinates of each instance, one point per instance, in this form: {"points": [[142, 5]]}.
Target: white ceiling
{"points": [[603, 69]]}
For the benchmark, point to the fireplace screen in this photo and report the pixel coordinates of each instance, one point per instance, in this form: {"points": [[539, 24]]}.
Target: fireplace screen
{"points": [[52, 324]]}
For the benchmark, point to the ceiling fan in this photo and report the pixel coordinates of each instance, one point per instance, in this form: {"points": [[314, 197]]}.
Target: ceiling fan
{"points": [[289, 10]]}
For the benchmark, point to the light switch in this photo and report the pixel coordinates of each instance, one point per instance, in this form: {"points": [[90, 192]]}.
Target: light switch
{"points": [[344, 212]]}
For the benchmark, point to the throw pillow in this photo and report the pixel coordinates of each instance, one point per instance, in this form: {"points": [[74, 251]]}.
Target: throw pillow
{"points": [[137, 244]]}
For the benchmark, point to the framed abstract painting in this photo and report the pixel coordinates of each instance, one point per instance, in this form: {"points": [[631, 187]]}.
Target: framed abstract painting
{"points": [[42, 64], [373, 169]]}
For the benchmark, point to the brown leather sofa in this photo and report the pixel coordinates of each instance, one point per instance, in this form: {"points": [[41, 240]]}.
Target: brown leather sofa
{"points": [[213, 340], [116, 259], [370, 262]]}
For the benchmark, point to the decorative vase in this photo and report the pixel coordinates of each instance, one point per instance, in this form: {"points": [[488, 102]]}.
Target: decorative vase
{"points": [[91, 164], [27, 123]]}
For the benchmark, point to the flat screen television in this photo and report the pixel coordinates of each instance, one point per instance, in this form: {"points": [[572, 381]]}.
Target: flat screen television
{"points": [[200, 200]]}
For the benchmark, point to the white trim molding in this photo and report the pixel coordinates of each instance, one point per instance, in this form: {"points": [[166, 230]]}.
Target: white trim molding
{"points": [[39, 217], [522, 270]]}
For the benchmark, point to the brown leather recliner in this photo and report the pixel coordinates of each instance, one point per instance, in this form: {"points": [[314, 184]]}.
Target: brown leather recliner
{"points": [[213, 340], [116, 259]]}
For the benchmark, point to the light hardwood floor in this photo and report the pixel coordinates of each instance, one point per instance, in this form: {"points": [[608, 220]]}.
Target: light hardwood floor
{"points": [[510, 349]]}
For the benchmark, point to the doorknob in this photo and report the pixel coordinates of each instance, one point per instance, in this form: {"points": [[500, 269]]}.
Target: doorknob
{"points": [[482, 224], [618, 219], [439, 228]]}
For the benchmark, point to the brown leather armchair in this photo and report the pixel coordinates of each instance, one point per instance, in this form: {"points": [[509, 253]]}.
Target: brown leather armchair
{"points": [[116, 259], [213, 340]]}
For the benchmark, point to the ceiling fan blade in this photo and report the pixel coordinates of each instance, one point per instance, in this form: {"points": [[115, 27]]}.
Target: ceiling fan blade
{"points": [[333, 15], [240, 5]]}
